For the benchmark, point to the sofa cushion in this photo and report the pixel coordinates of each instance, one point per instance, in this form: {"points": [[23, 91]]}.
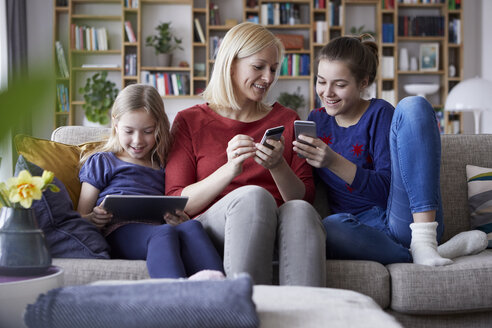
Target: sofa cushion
{"points": [[306, 307], [366, 277], [457, 151], [480, 198], [465, 285], [61, 159], [66, 233]]}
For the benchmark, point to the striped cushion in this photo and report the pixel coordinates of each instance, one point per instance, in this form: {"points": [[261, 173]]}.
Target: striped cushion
{"points": [[480, 198]]}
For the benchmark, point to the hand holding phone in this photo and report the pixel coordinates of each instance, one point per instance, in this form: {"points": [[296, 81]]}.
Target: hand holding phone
{"points": [[307, 128], [273, 133]]}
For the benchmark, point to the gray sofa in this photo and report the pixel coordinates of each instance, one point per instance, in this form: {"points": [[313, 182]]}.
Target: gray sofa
{"points": [[459, 295]]}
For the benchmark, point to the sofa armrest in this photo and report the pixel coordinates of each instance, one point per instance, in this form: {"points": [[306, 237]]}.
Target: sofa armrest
{"points": [[76, 134]]}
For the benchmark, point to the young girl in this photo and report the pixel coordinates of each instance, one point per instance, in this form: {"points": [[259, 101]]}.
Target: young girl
{"points": [[380, 166], [132, 162]]}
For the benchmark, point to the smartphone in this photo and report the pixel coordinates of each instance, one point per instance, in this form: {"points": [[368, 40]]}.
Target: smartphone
{"points": [[273, 133], [307, 128]]}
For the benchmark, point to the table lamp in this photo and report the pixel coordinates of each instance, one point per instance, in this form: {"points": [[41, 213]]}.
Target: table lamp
{"points": [[471, 95]]}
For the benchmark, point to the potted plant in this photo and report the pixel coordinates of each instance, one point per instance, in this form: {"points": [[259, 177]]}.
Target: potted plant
{"points": [[99, 95], [164, 43], [292, 100]]}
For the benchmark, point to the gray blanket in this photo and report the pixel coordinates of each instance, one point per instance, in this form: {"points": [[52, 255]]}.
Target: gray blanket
{"points": [[181, 303]]}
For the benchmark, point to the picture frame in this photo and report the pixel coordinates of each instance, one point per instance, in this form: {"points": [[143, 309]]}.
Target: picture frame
{"points": [[429, 57]]}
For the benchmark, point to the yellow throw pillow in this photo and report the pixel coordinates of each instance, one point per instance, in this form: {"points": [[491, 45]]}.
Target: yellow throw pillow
{"points": [[61, 159]]}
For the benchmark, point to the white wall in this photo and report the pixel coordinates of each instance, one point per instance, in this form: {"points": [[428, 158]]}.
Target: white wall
{"points": [[478, 51]]}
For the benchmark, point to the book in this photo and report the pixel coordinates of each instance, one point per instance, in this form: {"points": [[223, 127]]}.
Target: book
{"points": [[62, 63], [129, 32], [199, 30]]}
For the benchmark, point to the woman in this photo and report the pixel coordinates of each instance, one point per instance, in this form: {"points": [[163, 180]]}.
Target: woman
{"points": [[246, 195], [380, 166]]}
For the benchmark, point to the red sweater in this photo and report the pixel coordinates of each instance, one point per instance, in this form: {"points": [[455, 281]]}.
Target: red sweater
{"points": [[200, 143]]}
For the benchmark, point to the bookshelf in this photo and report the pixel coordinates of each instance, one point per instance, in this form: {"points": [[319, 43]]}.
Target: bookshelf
{"points": [[307, 24]]}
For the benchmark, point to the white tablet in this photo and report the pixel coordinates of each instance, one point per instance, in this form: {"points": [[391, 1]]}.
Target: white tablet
{"points": [[142, 207]]}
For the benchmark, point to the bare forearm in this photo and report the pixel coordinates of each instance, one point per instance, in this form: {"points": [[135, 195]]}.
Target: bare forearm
{"points": [[288, 183], [203, 192], [343, 168]]}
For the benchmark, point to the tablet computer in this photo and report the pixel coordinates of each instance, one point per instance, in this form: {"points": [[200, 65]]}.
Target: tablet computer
{"points": [[142, 207]]}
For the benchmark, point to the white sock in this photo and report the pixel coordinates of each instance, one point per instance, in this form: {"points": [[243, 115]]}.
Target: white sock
{"points": [[207, 275], [424, 245], [464, 243]]}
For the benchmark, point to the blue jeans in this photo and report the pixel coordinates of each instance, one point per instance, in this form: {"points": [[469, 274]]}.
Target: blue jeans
{"points": [[384, 235], [171, 251]]}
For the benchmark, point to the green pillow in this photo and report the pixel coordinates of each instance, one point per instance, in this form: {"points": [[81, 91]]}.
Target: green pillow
{"points": [[480, 199]]}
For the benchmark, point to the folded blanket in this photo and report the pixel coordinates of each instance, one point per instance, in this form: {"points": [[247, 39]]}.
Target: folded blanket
{"points": [[177, 303]]}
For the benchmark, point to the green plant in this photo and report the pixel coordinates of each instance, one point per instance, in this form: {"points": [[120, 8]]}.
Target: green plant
{"points": [[360, 30], [99, 95], [292, 100], [164, 42]]}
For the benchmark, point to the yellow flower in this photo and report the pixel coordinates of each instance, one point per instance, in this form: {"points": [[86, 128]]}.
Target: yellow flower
{"points": [[24, 188]]}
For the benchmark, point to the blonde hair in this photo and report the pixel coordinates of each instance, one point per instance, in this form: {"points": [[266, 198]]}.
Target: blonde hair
{"points": [[360, 53], [137, 97], [243, 40]]}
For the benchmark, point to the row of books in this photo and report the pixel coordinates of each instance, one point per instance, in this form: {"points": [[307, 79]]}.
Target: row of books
{"points": [[280, 14], [335, 12], [388, 4], [455, 31], [321, 32], [214, 14], [167, 83], [421, 1], [62, 62], [62, 95], [454, 4], [388, 32], [88, 38], [320, 4], [295, 65], [215, 42], [131, 3], [421, 25], [130, 64], [130, 34]]}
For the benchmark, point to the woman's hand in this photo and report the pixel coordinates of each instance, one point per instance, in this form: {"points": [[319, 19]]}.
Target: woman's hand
{"points": [[239, 148], [176, 218], [99, 217], [317, 153], [270, 158]]}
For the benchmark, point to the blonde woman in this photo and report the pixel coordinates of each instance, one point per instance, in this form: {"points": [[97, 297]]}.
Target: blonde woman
{"points": [[249, 197]]}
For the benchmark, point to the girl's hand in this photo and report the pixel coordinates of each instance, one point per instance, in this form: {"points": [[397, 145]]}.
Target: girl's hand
{"points": [[239, 148], [317, 153], [270, 158], [99, 217], [176, 218]]}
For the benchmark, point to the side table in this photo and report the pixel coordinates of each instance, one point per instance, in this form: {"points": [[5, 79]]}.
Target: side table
{"points": [[17, 292]]}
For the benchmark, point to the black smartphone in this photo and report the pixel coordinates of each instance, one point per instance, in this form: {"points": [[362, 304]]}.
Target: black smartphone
{"points": [[273, 133], [307, 128]]}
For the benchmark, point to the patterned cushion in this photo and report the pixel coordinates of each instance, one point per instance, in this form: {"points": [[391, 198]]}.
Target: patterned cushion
{"points": [[480, 198]]}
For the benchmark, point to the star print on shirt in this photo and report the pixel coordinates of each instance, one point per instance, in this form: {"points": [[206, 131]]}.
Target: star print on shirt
{"points": [[357, 149], [349, 188], [369, 159], [327, 139]]}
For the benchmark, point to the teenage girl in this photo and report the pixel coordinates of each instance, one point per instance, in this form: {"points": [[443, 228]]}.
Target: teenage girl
{"points": [[132, 162], [380, 165]]}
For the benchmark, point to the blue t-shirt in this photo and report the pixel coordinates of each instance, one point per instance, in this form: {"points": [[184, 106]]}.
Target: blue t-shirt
{"points": [[366, 144], [112, 176]]}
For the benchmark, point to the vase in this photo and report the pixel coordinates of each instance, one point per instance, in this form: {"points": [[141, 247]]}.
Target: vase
{"points": [[403, 59], [164, 60], [23, 250]]}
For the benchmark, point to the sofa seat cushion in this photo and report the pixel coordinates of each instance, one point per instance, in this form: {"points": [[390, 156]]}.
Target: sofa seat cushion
{"points": [[366, 277], [464, 286], [84, 271], [295, 306]]}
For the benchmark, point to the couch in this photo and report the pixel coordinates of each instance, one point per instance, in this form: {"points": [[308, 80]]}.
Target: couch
{"points": [[457, 295]]}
